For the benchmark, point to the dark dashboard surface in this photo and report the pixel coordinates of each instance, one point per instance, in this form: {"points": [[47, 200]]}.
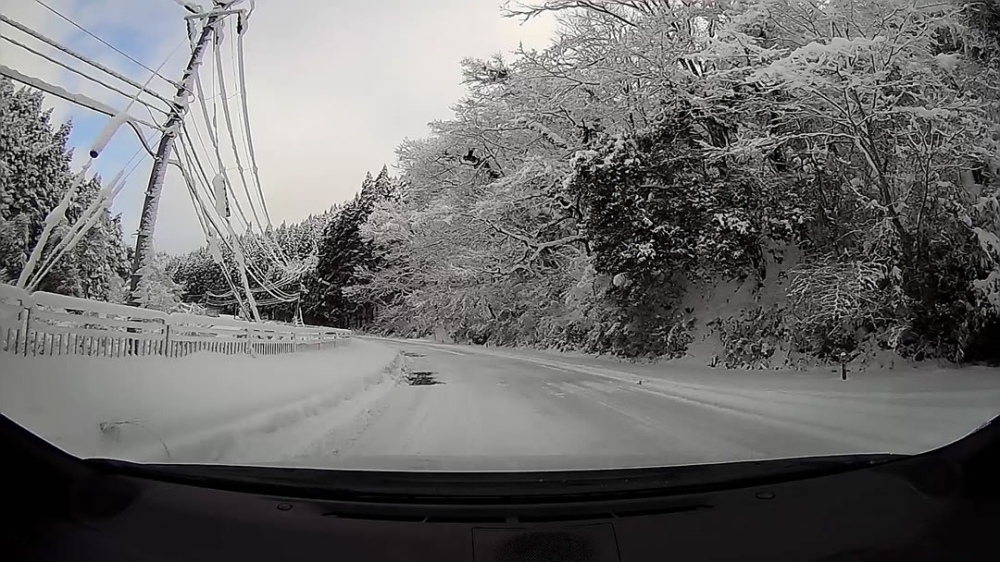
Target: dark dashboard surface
{"points": [[942, 505]]}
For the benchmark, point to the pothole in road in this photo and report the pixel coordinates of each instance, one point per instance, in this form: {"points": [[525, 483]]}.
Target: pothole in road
{"points": [[421, 378], [411, 354]]}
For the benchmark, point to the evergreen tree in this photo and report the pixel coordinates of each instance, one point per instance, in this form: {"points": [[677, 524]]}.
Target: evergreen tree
{"points": [[343, 252], [34, 161], [156, 289], [34, 176], [201, 275]]}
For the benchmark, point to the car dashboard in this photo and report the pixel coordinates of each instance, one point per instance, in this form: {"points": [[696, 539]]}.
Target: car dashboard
{"points": [[942, 505]]}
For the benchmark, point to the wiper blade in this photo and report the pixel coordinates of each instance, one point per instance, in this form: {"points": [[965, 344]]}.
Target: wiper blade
{"points": [[362, 485]]}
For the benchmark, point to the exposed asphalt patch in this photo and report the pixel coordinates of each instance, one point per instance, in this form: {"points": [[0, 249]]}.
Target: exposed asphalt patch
{"points": [[421, 378]]}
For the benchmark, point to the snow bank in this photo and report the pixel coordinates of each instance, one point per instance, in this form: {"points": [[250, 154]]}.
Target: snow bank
{"points": [[189, 409]]}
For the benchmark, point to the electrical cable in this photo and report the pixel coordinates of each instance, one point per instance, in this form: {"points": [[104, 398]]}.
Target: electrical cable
{"points": [[204, 147], [106, 195], [220, 75], [215, 143], [246, 114], [237, 49], [233, 246], [78, 72], [84, 223], [74, 98], [237, 253], [202, 220], [229, 125], [109, 45], [82, 58]]}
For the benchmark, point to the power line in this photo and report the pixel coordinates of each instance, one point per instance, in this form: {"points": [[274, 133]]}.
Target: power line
{"points": [[220, 73], [236, 244], [210, 126], [277, 285], [109, 45], [241, 27], [229, 128], [197, 161], [79, 72], [203, 219], [246, 115], [78, 99], [263, 240], [236, 251], [201, 141], [80, 57], [85, 222]]}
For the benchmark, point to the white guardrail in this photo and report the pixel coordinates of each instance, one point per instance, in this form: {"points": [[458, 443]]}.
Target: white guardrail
{"points": [[49, 324]]}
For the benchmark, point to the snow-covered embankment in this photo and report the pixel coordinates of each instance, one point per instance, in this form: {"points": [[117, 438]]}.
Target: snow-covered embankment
{"points": [[193, 409]]}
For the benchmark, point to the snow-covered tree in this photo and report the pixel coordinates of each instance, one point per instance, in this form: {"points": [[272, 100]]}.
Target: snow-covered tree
{"points": [[578, 191], [342, 252], [156, 289], [887, 115], [205, 279], [34, 162], [34, 176]]}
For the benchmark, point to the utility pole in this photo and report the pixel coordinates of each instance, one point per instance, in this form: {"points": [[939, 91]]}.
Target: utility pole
{"points": [[147, 221]]}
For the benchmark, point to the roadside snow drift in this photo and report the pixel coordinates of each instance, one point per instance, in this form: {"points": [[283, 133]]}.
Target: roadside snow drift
{"points": [[190, 409]]}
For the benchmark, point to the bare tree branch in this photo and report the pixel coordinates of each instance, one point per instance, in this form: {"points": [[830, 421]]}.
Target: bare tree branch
{"points": [[528, 11]]}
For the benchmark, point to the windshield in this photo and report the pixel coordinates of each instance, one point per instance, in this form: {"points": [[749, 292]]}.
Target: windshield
{"points": [[444, 236]]}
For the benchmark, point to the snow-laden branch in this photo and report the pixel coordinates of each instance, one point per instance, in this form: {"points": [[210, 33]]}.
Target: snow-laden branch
{"points": [[534, 248], [527, 11]]}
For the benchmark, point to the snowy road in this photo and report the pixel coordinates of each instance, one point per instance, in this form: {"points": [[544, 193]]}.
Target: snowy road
{"points": [[487, 409]]}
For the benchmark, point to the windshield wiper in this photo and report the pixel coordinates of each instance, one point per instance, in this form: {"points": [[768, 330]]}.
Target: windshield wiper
{"points": [[366, 485]]}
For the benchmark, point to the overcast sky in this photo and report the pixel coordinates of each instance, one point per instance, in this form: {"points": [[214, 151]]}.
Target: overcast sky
{"points": [[333, 86]]}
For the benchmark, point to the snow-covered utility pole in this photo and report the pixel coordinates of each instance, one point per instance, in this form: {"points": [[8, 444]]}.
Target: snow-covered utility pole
{"points": [[147, 221]]}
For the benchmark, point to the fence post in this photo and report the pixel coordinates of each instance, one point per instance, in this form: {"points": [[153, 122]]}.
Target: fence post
{"points": [[166, 338], [27, 328]]}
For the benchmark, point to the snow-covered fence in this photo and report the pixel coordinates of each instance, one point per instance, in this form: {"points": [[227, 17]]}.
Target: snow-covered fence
{"points": [[49, 324]]}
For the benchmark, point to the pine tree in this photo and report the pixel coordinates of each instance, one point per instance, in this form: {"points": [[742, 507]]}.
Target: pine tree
{"points": [[34, 161], [342, 251], [34, 175], [156, 289]]}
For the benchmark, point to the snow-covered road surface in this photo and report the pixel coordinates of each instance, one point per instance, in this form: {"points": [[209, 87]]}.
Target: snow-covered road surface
{"points": [[490, 409], [473, 408]]}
